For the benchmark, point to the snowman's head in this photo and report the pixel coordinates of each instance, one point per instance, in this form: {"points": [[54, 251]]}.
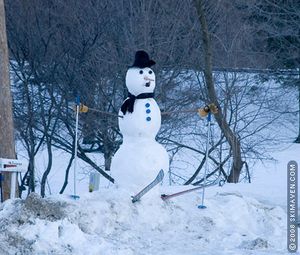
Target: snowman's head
{"points": [[140, 80]]}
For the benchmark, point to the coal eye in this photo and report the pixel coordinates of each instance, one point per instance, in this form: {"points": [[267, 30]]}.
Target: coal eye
{"points": [[150, 72], [141, 71]]}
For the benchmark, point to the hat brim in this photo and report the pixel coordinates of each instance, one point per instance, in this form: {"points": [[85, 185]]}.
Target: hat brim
{"points": [[143, 65]]}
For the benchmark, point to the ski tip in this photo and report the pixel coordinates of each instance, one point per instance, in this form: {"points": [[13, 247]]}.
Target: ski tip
{"points": [[133, 200], [163, 196], [161, 174], [75, 197]]}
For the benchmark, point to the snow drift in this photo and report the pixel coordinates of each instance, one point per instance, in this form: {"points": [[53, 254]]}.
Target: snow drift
{"points": [[106, 222]]}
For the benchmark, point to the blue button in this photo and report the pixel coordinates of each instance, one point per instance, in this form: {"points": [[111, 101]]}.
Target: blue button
{"points": [[148, 118], [147, 105], [148, 111]]}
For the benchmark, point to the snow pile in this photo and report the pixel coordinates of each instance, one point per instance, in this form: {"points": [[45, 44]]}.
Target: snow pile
{"points": [[106, 222]]}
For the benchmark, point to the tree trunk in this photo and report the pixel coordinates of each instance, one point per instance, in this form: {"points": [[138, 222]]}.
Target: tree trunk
{"points": [[47, 171], [7, 145], [230, 136], [31, 138], [67, 174], [31, 181], [107, 160]]}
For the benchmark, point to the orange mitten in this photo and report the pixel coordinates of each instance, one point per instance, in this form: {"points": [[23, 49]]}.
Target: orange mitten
{"points": [[203, 111], [213, 108], [206, 109], [83, 108]]}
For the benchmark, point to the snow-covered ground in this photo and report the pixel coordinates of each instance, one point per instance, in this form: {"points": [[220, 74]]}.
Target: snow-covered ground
{"points": [[239, 219], [106, 222]]}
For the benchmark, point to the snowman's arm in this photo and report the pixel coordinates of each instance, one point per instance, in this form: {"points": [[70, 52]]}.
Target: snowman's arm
{"points": [[201, 111], [84, 109], [182, 111]]}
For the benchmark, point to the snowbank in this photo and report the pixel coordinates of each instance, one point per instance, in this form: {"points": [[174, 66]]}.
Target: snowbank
{"points": [[106, 222]]}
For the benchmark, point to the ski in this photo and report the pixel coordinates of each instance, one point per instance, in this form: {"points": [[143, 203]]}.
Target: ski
{"points": [[166, 197], [145, 190]]}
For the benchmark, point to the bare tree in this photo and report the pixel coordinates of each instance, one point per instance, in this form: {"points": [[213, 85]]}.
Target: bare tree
{"points": [[276, 26], [208, 73], [85, 47]]}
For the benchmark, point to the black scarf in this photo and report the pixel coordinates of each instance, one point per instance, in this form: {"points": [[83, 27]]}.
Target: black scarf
{"points": [[129, 102]]}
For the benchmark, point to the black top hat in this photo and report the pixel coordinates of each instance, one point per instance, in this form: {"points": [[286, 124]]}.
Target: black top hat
{"points": [[142, 60]]}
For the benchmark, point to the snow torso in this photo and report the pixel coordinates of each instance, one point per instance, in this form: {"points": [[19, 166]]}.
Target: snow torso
{"points": [[140, 157], [143, 122]]}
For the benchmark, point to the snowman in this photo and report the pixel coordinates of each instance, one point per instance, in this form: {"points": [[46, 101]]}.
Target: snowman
{"points": [[140, 157]]}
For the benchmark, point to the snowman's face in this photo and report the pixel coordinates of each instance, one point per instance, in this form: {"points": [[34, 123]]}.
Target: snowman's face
{"points": [[140, 80]]}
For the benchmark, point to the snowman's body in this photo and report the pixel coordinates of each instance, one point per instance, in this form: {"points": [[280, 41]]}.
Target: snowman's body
{"points": [[140, 157], [143, 122]]}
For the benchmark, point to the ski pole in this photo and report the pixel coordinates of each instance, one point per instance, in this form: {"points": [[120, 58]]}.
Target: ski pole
{"points": [[202, 206], [76, 146]]}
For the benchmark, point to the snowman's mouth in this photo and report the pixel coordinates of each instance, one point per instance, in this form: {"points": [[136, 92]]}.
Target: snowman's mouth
{"points": [[147, 84]]}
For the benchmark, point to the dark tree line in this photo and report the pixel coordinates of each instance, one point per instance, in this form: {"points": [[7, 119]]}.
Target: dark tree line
{"points": [[61, 49]]}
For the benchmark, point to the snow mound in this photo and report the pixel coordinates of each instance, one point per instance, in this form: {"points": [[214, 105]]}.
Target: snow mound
{"points": [[106, 222]]}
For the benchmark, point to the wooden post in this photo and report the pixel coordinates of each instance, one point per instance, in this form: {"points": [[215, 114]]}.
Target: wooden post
{"points": [[7, 144]]}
